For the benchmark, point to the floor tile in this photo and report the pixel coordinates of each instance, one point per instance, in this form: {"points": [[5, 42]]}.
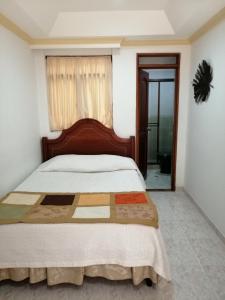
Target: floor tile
{"points": [[157, 180], [216, 275], [209, 251]]}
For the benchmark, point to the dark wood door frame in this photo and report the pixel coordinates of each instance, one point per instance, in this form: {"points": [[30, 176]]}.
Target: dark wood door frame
{"points": [[175, 66], [143, 124]]}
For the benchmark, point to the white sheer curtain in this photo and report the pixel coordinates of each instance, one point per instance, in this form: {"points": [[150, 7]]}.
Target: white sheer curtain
{"points": [[79, 87]]}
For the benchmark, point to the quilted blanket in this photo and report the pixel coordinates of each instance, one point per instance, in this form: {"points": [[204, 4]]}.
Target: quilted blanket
{"points": [[42, 208]]}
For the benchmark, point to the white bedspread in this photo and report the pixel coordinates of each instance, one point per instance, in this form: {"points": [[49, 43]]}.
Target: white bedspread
{"points": [[74, 245], [70, 182]]}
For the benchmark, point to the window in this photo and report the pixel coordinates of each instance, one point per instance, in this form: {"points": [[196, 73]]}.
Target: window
{"points": [[152, 60], [79, 87]]}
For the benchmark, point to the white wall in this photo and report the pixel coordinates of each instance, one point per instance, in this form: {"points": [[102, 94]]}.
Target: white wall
{"points": [[205, 167], [19, 133], [124, 91]]}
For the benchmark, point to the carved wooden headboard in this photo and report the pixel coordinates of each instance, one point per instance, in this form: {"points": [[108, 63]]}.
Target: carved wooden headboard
{"points": [[88, 136]]}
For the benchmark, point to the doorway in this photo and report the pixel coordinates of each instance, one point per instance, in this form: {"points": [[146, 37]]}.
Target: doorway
{"points": [[157, 114]]}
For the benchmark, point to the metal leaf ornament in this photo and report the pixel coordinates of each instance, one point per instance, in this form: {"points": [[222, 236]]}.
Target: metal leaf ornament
{"points": [[202, 82]]}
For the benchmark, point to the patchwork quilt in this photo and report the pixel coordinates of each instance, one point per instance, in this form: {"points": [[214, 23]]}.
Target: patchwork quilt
{"points": [[123, 208]]}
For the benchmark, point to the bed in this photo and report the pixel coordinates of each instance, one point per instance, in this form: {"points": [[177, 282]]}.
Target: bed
{"points": [[68, 252]]}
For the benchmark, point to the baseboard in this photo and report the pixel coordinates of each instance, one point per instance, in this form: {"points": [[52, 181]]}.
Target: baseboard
{"points": [[180, 189], [220, 235]]}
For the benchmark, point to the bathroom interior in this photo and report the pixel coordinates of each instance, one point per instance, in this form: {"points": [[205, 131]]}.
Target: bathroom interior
{"points": [[161, 95]]}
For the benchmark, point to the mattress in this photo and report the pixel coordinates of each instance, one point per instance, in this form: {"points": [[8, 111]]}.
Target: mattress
{"points": [[80, 245]]}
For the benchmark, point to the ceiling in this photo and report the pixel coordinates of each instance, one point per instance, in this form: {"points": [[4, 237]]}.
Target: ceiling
{"points": [[133, 19]]}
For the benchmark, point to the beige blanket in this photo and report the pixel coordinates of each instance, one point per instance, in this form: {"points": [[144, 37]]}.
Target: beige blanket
{"points": [[124, 208]]}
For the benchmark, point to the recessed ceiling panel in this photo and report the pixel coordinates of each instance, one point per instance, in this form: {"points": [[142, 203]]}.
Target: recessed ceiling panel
{"points": [[111, 23]]}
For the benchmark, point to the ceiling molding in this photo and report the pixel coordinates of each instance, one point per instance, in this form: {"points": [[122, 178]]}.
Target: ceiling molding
{"points": [[110, 41], [148, 42], [77, 41], [65, 45], [215, 20], [8, 24]]}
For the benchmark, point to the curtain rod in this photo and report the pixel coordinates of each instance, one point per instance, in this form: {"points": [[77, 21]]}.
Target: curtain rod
{"points": [[109, 55]]}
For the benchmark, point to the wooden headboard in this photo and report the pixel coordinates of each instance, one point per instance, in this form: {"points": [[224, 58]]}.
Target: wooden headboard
{"points": [[88, 136]]}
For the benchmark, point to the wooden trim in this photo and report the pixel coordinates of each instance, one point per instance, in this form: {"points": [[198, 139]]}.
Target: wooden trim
{"points": [[215, 20], [113, 42], [176, 105], [149, 42], [158, 54], [75, 46], [77, 41], [11, 26], [137, 112], [158, 119], [175, 125]]}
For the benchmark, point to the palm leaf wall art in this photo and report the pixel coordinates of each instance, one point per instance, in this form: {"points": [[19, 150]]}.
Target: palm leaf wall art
{"points": [[202, 82]]}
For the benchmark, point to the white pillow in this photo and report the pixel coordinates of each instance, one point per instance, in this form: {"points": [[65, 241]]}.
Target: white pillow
{"points": [[87, 163]]}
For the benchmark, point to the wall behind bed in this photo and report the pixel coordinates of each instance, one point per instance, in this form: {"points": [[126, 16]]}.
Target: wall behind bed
{"points": [[19, 131], [124, 91]]}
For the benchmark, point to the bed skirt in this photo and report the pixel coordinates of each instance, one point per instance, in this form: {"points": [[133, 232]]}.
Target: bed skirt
{"points": [[76, 275]]}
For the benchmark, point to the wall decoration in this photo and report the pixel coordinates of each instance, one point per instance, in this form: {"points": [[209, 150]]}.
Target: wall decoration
{"points": [[202, 82]]}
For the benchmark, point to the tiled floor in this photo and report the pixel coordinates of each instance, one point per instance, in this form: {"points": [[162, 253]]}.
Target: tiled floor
{"points": [[157, 180], [196, 254]]}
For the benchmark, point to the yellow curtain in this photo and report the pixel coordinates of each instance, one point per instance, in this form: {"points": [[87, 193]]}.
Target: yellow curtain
{"points": [[79, 87]]}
